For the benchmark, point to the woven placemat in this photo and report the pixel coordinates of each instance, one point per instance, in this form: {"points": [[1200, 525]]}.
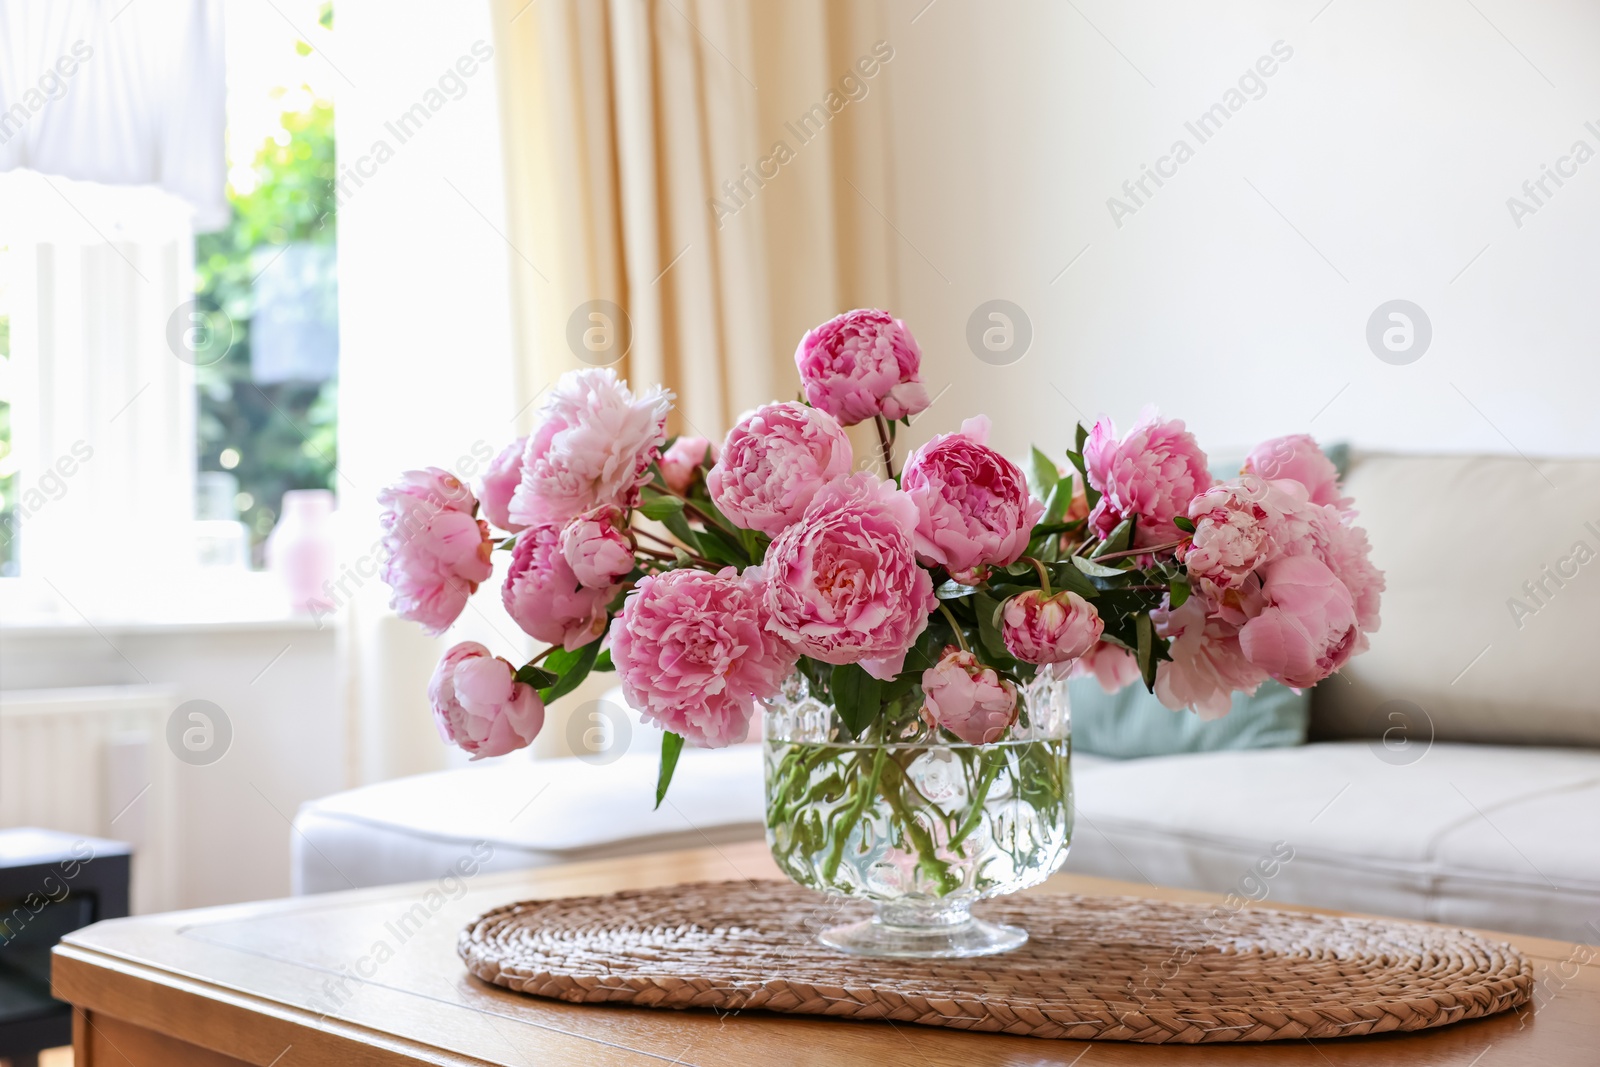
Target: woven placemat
{"points": [[1104, 968]]}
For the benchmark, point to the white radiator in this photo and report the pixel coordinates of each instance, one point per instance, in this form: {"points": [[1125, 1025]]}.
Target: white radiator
{"points": [[93, 761]]}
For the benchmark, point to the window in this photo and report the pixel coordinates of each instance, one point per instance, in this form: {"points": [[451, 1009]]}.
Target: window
{"points": [[267, 399]]}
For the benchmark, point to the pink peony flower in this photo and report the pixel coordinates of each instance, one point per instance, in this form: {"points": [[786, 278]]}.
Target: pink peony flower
{"points": [[545, 598], [1233, 530], [693, 654], [968, 699], [1346, 552], [861, 364], [843, 583], [973, 506], [1207, 664], [773, 463], [499, 482], [435, 552], [1153, 472], [1297, 459], [594, 445], [479, 705], [596, 547], [1053, 629], [1111, 665], [680, 462], [1308, 628]]}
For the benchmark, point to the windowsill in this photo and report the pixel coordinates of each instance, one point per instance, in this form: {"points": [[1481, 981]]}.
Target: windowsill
{"points": [[204, 602]]}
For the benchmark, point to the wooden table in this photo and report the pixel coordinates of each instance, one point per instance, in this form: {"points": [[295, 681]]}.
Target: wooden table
{"points": [[370, 977]]}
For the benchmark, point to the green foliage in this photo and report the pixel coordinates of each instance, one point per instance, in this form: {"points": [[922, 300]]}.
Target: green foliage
{"points": [[671, 748], [284, 432], [570, 667]]}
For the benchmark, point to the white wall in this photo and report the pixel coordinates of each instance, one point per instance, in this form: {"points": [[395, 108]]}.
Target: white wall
{"points": [[1391, 141], [277, 685]]}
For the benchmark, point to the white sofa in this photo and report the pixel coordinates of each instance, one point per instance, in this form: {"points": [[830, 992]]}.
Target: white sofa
{"points": [[1453, 774]]}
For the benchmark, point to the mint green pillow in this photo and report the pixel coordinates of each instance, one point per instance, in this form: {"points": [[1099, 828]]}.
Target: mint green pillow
{"points": [[1131, 723]]}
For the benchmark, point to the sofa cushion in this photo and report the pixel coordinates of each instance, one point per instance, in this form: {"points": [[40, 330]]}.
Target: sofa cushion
{"points": [[530, 813], [1131, 723], [1477, 835], [1489, 619]]}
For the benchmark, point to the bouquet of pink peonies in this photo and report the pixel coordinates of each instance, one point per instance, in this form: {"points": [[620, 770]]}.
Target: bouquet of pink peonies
{"points": [[705, 576]]}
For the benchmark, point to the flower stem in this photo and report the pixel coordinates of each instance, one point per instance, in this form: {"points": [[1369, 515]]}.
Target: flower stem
{"points": [[1044, 575], [994, 760], [841, 834], [956, 626], [1148, 550], [886, 443], [672, 557]]}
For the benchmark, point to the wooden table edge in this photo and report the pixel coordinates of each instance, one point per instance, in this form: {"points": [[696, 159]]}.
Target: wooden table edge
{"points": [[209, 1008]]}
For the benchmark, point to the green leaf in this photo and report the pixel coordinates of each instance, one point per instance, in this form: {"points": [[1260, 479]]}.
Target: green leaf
{"points": [[1042, 476], [1071, 579], [1079, 437], [1178, 590], [671, 748], [1096, 570], [1056, 504], [857, 696], [1121, 537], [573, 667], [528, 674], [731, 548], [603, 662], [988, 611], [953, 590], [678, 526], [1182, 523], [1145, 652], [659, 507], [508, 544]]}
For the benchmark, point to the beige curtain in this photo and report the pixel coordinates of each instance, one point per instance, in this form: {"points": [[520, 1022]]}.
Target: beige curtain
{"points": [[624, 122]]}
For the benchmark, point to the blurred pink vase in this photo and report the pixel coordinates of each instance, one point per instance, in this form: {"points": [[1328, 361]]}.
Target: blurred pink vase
{"points": [[302, 549]]}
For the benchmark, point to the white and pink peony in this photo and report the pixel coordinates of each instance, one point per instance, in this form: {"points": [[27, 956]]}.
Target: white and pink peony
{"points": [[594, 445]]}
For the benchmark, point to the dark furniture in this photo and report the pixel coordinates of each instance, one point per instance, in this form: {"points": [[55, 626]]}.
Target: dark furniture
{"points": [[50, 885]]}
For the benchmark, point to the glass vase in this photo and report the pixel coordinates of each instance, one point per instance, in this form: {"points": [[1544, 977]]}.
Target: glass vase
{"points": [[915, 821]]}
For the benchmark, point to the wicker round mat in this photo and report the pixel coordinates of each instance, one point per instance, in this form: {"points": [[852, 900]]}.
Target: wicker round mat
{"points": [[1105, 968]]}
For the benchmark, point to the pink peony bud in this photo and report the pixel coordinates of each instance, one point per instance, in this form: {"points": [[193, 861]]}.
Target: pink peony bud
{"points": [[968, 699], [435, 551], [680, 462], [500, 481], [773, 463], [545, 598], [972, 503], [861, 364], [596, 547], [479, 705], [1053, 629]]}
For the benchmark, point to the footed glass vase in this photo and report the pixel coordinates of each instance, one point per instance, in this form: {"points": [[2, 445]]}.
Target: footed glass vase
{"points": [[920, 824]]}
